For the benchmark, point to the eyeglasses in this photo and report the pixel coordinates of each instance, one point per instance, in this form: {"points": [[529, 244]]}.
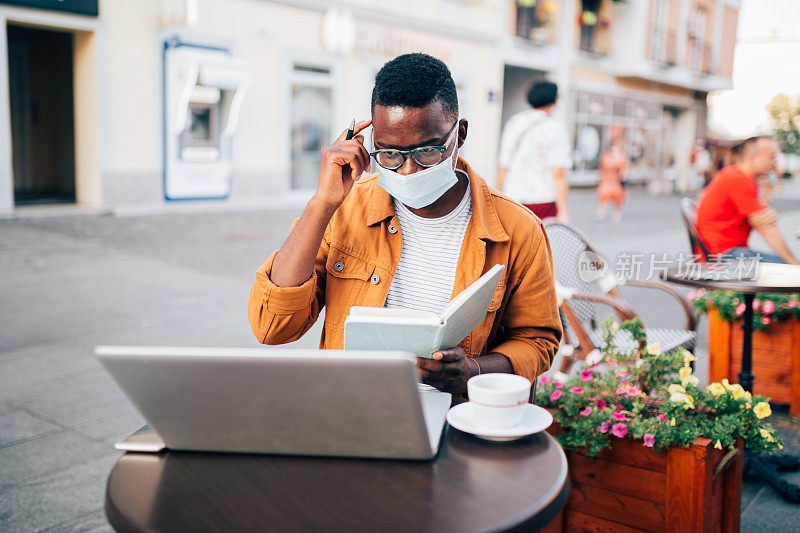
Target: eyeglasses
{"points": [[424, 156]]}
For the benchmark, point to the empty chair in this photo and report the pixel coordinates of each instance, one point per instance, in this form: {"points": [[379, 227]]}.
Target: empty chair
{"points": [[582, 272]]}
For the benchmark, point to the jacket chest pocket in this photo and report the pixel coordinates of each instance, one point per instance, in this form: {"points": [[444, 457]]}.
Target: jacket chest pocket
{"points": [[347, 279]]}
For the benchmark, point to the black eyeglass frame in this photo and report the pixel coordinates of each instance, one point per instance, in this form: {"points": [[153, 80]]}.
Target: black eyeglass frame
{"points": [[413, 152]]}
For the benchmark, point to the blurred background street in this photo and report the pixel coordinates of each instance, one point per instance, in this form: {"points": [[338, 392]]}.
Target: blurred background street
{"points": [[181, 278]]}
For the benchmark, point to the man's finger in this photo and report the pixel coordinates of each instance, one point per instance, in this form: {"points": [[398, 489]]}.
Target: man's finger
{"points": [[449, 356], [429, 364], [361, 125]]}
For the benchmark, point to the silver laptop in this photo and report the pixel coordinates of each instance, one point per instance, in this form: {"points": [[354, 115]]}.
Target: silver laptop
{"points": [[281, 401]]}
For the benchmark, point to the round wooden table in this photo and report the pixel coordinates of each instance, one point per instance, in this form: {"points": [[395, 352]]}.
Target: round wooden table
{"points": [[472, 485]]}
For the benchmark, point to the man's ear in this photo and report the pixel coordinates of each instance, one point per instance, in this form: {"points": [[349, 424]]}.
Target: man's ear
{"points": [[463, 126]]}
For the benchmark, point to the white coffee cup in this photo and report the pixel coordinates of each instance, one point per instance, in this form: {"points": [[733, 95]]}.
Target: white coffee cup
{"points": [[498, 400]]}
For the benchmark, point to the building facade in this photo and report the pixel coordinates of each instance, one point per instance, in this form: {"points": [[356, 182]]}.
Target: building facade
{"points": [[109, 103]]}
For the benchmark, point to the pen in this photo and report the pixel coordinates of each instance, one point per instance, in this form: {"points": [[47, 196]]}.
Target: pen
{"points": [[350, 130]]}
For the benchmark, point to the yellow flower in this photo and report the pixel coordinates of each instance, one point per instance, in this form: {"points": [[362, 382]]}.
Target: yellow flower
{"points": [[766, 434], [762, 410], [678, 397], [672, 421], [726, 384], [718, 445], [716, 389], [688, 357], [780, 447], [748, 396], [675, 388], [685, 374], [614, 327], [653, 348], [689, 402], [738, 392], [748, 405]]}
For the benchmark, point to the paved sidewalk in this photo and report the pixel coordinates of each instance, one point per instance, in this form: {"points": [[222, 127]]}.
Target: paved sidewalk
{"points": [[72, 282]]}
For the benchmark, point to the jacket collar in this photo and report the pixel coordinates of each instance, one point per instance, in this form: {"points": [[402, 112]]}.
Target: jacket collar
{"points": [[484, 214]]}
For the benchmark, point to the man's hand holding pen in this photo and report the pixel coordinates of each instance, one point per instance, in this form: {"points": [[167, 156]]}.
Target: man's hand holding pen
{"points": [[341, 164]]}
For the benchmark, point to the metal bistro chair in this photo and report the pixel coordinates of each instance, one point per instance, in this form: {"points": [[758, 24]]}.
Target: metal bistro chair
{"points": [[689, 216], [580, 306]]}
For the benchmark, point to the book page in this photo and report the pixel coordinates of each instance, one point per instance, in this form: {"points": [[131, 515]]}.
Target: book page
{"points": [[419, 339], [468, 309]]}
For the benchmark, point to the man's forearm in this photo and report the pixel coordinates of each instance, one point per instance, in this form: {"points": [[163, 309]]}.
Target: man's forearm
{"points": [[294, 262], [501, 176], [492, 363], [562, 190], [775, 241]]}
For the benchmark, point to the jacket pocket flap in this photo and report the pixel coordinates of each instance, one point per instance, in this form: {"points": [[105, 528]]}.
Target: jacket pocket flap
{"points": [[343, 265]]}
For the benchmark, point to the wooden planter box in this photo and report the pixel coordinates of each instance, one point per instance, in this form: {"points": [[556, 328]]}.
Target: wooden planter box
{"points": [[633, 488], [776, 358]]}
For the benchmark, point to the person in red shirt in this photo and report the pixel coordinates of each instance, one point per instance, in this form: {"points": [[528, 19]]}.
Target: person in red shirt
{"points": [[730, 207]]}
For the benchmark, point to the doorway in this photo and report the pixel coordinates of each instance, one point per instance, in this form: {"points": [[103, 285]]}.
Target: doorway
{"points": [[516, 83], [40, 72]]}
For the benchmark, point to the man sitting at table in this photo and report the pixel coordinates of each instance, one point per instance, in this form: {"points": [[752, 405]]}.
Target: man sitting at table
{"points": [[419, 231], [730, 206]]}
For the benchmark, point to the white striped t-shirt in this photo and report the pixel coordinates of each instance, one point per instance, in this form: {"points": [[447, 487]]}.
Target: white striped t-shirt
{"points": [[427, 268]]}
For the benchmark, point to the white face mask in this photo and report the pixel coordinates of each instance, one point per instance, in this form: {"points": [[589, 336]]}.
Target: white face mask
{"points": [[422, 188]]}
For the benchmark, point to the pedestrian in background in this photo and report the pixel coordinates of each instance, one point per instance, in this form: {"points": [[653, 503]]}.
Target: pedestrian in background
{"points": [[614, 165], [535, 155]]}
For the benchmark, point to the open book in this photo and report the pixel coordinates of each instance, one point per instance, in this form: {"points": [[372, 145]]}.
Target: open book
{"points": [[421, 332]]}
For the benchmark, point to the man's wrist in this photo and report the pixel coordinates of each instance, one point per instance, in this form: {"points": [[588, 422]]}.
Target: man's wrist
{"points": [[318, 207]]}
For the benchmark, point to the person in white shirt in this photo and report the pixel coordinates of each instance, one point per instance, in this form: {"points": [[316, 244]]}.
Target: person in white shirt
{"points": [[535, 155]]}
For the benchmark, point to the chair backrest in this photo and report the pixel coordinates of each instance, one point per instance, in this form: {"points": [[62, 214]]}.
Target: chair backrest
{"points": [[571, 255], [689, 215]]}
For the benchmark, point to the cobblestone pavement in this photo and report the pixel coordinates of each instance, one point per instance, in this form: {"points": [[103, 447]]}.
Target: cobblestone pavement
{"points": [[181, 278]]}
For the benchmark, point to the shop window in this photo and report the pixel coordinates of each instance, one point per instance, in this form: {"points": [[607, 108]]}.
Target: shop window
{"points": [[311, 119]]}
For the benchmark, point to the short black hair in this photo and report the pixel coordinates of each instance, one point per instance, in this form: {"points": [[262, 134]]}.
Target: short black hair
{"points": [[542, 94], [415, 80]]}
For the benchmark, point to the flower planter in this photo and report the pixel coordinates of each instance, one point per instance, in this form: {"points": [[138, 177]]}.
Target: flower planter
{"points": [[633, 488], [776, 357]]}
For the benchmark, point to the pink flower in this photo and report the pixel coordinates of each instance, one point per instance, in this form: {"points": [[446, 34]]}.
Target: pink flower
{"points": [[590, 398], [756, 304], [621, 373], [662, 417], [619, 417], [544, 380], [587, 411], [586, 374], [633, 391], [556, 395], [619, 430], [792, 304], [768, 307], [623, 389], [604, 427], [601, 404], [576, 390], [765, 320], [649, 440], [558, 384], [618, 408], [739, 309]]}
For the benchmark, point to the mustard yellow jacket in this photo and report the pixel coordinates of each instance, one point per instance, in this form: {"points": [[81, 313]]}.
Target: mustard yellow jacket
{"points": [[364, 241]]}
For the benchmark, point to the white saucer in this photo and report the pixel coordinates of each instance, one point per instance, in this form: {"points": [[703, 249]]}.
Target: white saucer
{"points": [[536, 419]]}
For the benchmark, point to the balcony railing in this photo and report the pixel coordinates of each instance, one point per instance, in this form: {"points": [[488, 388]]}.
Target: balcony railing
{"points": [[701, 56]]}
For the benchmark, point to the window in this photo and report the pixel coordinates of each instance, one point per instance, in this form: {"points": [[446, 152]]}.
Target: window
{"points": [[533, 19], [311, 112], [697, 41], [658, 34]]}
